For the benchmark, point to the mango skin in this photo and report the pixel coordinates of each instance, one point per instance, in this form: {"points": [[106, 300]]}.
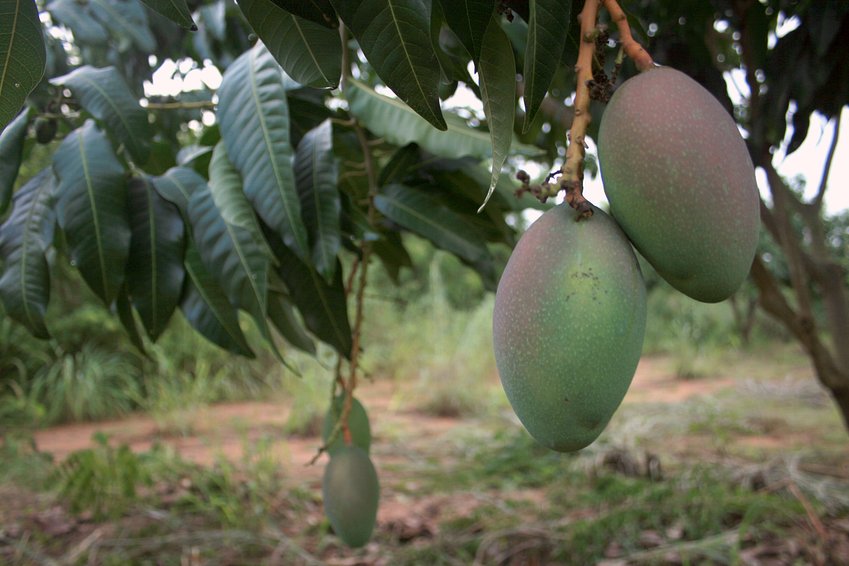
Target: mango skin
{"points": [[680, 182], [358, 424], [568, 326], [351, 492]]}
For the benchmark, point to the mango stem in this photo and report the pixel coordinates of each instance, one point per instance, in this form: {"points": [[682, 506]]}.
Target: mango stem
{"points": [[634, 50]]}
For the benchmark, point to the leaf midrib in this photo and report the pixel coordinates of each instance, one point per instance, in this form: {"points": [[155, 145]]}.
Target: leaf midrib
{"points": [[409, 59], [95, 216], [32, 212], [11, 45], [425, 219], [115, 109], [215, 311], [309, 48]]}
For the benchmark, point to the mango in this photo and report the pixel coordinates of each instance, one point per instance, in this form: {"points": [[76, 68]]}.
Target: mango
{"points": [[680, 182], [351, 492], [357, 423], [568, 326]]}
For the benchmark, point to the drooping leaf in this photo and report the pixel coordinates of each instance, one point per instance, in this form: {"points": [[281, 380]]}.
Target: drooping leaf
{"points": [[124, 309], [469, 19], [24, 239], [79, 19], [177, 186], [322, 305], [392, 253], [11, 153], [315, 174], [207, 309], [398, 166], [309, 52], [422, 214], [285, 320], [22, 55], [214, 15], [255, 130], [452, 55], [127, 21], [92, 208], [547, 30], [175, 10], [498, 91], [395, 38], [318, 11], [106, 96], [155, 269]]}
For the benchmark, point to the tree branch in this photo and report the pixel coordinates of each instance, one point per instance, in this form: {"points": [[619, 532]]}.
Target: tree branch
{"points": [[817, 202], [634, 50]]}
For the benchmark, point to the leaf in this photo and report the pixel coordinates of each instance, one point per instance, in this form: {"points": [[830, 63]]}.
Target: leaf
{"points": [[394, 256], [177, 186], [388, 118], [127, 21], [323, 306], [318, 11], [106, 96], [547, 31], [11, 153], [24, 239], [395, 38], [78, 18], [420, 213], [315, 175], [255, 130], [469, 20], [309, 52], [175, 10], [283, 316], [207, 309], [155, 268], [22, 55], [124, 309], [92, 209], [498, 92]]}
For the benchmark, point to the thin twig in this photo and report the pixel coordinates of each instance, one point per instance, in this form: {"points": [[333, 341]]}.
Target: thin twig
{"points": [[817, 202], [634, 50], [809, 510]]}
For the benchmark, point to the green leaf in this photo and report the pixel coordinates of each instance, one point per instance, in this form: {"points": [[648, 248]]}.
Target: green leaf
{"points": [[177, 186], [24, 239], [547, 31], [422, 214], [309, 52], [394, 256], [124, 309], [155, 268], [255, 129], [11, 153], [127, 21], [283, 316], [22, 55], [498, 92], [92, 209], [175, 10], [318, 11], [395, 38], [469, 20], [207, 309], [79, 19], [387, 118], [323, 306], [315, 175], [106, 96]]}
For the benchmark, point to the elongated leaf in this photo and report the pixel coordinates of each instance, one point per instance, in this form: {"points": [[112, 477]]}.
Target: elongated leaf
{"points": [[498, 91], [421, 213], [175, 10], [395, 38], [207, 309], [127, 21], [124, 309], [404, 159], [155, 270], [309, 52], [105, 95], [24, 239], [11, 153], [318, 11], [92, 209], [78, 18], [177, 186], [22, 55], [315, 174], [323, 306], [283, 316], [547, 30], [469, 19], [255, 130], [393, 121], [394, 256]]}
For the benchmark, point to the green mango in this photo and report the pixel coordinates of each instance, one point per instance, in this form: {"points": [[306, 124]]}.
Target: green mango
{"points": [[351, 492], [680, 182], [357, 423], [568, 326]]}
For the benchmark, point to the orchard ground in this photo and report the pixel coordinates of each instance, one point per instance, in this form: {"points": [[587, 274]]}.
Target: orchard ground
{"points": [[745, 465]]}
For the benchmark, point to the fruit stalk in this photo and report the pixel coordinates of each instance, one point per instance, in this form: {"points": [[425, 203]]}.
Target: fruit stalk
{"points": [[634, 50]]}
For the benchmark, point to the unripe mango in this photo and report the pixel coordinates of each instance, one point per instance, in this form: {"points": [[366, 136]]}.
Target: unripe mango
{"points": [[357, 423], [680, 182], [568, 326], [351, 492]]}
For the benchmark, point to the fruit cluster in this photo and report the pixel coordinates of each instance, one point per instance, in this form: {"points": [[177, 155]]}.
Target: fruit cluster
{"points": [[570, 309]]}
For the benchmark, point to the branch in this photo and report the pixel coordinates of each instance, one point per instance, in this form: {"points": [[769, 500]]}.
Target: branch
{"points": [[817, 202], [634, 50]]}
